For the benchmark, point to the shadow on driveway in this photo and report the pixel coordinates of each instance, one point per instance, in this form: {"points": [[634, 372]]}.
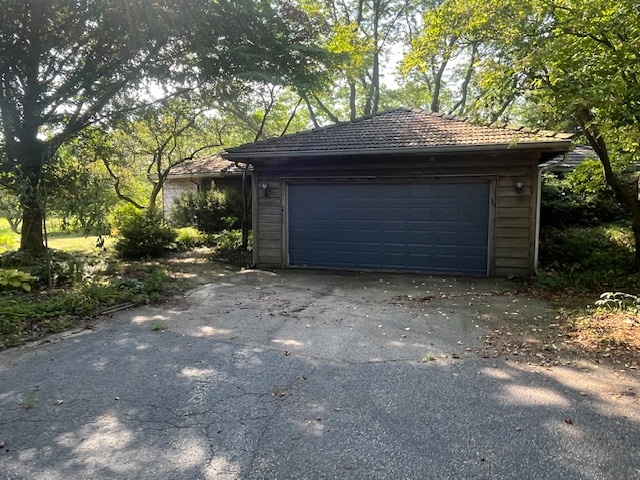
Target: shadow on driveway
{"points": [[312, 375]]}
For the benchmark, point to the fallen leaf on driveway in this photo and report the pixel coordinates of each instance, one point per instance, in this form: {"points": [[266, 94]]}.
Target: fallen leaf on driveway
{"points": [[568, 421]]}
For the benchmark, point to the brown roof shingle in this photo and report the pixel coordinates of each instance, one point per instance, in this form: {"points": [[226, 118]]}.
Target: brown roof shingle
{"points": [[211, 165], [401, 129]]}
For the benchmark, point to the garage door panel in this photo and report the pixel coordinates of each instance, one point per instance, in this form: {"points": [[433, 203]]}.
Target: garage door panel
{"points": [[426, 227]]}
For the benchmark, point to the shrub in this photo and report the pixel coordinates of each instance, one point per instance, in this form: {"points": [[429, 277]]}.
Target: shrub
{"points": [[593, 258], [568, 202], [210, 212], [144, 235], [64, 267], [228, 245], [189, 238], [122, 214], [155, 284]]}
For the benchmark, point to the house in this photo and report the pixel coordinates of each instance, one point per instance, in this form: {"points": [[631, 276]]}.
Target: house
{"points": [[402, 190], [578, 155], [200, 176]]}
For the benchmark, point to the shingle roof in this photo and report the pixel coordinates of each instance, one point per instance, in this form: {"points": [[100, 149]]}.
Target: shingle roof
{"points": [[212, 165], [574, 158], [399, 130]]}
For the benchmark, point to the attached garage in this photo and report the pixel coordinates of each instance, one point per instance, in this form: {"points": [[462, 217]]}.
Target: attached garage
{"points": [[403, 190]]}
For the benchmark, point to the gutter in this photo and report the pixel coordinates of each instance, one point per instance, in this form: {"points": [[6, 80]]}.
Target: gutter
{"points": [[235, 157], [536, 247]]}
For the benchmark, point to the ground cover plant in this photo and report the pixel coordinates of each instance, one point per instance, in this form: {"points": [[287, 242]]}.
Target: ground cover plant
{"points": [[594, 259], [586, 273], [82, 277], [95, 288], [74, 281]]}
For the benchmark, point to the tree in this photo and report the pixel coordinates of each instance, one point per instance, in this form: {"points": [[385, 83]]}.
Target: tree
{"points": [[361, 35], [581, 58], [83, 196], [63, 66], [157, 139], [66, 65]]}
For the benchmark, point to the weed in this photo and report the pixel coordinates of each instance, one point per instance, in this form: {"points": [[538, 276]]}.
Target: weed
{"points": [[158, 327], [229, 248], [156, 281], [30, 399], [131, 285]]}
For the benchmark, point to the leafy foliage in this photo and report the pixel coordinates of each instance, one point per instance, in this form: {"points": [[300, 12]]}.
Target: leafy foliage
{"points": [[595, 258], [7, 242], [15, 279], [66, 66], [619, 302], [570, 202], [189, 238], [24, 317], [83, 195], [152, 141], [211, 212], [63, 268], [144, 235], [10, 208], [228, 248]]}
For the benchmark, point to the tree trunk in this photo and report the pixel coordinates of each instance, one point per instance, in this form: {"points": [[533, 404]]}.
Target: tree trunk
{"points": [[375, 73], [152, 208], [32, 236], [587, 123], [462, 103], [352, 101], [437, 82]]}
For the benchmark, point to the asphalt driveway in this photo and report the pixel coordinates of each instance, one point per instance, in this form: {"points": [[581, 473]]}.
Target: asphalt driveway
{"points": [[313, 375]]}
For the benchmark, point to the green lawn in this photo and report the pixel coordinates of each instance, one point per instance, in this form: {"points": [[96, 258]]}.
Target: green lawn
{"points": [[71, 242]]}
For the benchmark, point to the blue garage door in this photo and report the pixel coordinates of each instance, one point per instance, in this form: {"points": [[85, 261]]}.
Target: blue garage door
{"points": [[436, 227]]}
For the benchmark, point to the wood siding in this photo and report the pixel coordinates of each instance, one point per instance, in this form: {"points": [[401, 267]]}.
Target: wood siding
{"points": [[512, 229]]}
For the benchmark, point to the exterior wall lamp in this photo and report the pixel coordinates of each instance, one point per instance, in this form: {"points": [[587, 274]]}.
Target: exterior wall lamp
{"points": [[265, 189], [519, 184]]}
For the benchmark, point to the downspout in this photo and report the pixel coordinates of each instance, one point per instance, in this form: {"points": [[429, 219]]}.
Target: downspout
{"points": [[536, 248]]}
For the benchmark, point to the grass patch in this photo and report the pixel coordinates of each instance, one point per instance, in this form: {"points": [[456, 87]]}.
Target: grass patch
{"points": [[72, 242]]}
